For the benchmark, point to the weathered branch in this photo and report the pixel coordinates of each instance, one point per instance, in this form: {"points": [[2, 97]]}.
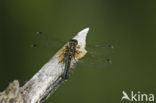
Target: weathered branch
{"points": [[12, 94], [49, 77]]}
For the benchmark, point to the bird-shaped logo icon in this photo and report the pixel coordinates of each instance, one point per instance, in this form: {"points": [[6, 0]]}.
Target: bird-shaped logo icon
{"points": [[125, 96]]}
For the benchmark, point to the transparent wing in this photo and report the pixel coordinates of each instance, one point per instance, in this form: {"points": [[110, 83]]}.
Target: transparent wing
{"points": [[98, 53], [45, 41]]}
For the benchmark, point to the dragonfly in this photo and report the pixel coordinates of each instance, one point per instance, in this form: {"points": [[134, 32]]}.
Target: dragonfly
{"points": [[70, 52], [101, 52]]}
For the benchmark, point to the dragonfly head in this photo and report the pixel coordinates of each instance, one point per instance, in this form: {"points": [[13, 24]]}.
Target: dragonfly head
{"points": [[73, 42]]}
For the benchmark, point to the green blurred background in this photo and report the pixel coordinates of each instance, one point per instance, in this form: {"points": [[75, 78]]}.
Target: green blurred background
{"points": [[130, 25]]}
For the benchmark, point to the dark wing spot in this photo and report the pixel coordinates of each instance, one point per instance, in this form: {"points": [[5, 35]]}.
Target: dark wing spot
{"points": [[108, 60], [33, 45], [39, 32]]}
